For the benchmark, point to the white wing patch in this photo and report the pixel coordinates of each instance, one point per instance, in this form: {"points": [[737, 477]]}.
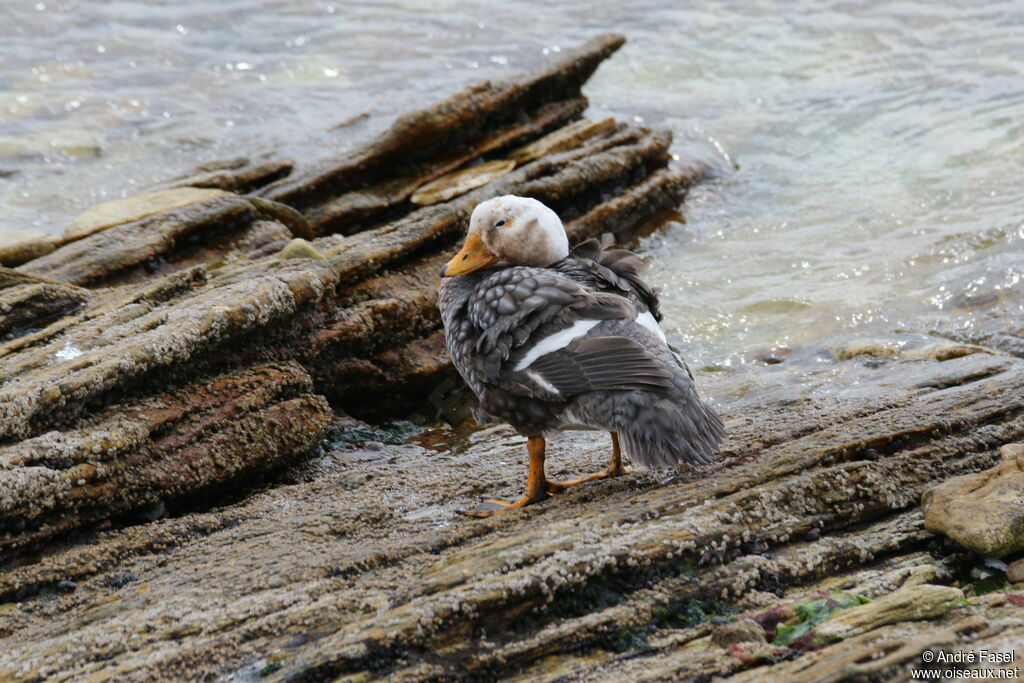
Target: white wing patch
{"points": [[648, 321], [542, 383], [556, 341]]}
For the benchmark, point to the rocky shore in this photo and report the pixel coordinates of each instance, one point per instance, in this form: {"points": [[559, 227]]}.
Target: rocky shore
{"points": [[188, 489]]}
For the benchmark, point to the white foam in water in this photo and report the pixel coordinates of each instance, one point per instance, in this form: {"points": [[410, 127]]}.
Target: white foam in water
{"points": [[68, 352]]}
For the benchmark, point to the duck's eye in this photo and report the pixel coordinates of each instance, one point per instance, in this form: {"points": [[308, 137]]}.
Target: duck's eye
{"points": [[500, 224]]}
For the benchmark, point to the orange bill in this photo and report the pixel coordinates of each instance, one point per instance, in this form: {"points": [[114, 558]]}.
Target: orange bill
{"points": [[474, 256]]}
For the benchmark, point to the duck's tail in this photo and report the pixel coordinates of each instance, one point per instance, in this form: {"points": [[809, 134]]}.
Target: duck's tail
{"points": [[671, 433]]}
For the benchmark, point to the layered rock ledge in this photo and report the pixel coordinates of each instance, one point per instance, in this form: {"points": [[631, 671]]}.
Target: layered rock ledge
{"points": [[163, 296]]}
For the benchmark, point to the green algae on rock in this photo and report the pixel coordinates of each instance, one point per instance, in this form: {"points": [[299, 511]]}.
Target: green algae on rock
{"points": [[807, 616]]}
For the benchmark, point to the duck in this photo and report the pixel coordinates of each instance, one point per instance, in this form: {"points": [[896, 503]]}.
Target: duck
{"points": [[550, 339]]}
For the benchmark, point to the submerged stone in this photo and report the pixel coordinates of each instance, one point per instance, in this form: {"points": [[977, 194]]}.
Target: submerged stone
{"points": [[875, 348], [949, 350]]}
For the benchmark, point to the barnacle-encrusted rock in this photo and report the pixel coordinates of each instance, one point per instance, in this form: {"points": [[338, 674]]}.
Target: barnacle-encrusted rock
{"points": [[121, 339], [26, 306], [143, 452], [983, 511]]}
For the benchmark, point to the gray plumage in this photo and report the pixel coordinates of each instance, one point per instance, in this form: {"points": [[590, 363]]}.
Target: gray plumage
{"points": [[617, 374]]}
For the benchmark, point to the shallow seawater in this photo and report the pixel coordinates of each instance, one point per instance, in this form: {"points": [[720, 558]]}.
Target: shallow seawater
{"points": [[869, 157]]}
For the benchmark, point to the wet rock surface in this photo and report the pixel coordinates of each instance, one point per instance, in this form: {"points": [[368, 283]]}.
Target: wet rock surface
{"points": [[357, 563], [181, 496], [138, 454]]}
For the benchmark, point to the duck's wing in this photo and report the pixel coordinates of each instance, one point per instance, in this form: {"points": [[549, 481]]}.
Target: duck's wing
{"points": [[537, 338], [597, 263], [598, 363]]}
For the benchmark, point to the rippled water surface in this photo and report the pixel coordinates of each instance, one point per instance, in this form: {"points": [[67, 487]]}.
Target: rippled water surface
{"points": [[878, 149]]}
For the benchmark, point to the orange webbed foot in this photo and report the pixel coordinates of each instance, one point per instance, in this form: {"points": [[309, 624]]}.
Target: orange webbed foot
{"points": [[558, 487], [495, 506]]}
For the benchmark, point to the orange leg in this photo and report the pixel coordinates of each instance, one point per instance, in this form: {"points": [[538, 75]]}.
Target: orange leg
{"points": [[537, 487], [615, 469]]}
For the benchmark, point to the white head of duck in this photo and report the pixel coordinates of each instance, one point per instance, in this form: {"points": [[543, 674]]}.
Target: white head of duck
{"points": [[510, 231]]}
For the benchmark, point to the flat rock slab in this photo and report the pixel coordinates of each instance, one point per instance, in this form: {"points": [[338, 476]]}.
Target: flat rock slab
{"points": [[113, 213], [912, 603]]}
